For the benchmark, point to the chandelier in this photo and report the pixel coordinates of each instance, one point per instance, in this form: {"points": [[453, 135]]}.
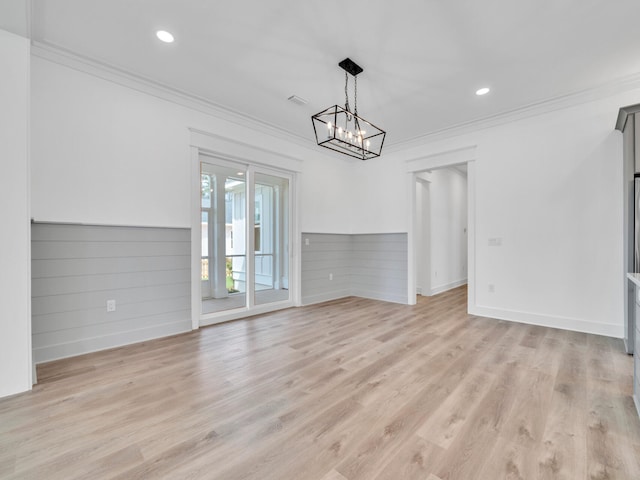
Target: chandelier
{"points": [[342, 129]]}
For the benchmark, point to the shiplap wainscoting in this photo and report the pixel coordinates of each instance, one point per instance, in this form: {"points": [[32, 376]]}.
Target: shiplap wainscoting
{"points": [[365, 265], [77, 268], [379, 267]]}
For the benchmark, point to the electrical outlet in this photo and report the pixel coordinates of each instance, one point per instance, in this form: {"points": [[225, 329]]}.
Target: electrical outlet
{"points": [[331, 276], [492, 288], [306, 242], [111, 305]]}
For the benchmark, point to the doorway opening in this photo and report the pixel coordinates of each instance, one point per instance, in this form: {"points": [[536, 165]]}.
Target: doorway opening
{"points": [[441, 229]]}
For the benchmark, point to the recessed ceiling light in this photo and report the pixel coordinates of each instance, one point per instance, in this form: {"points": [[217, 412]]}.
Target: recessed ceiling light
{"points": [[165, 36], [483, 91], [241, 173]]}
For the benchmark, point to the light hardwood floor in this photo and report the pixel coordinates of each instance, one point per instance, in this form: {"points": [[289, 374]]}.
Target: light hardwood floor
{"points": [[346, 390]]}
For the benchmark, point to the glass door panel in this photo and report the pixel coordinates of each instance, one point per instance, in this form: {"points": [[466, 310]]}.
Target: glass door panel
{"points": [[224, 246], [271, 238]]}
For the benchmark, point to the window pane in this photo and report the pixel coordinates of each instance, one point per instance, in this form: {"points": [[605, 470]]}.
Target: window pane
{"points": [[206, 190], [271, 235], [223, 203]]}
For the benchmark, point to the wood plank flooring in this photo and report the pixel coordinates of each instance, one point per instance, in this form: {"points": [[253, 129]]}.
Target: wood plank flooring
{"points": [[346, 390]]}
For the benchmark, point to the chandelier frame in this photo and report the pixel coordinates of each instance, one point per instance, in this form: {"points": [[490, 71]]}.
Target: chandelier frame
{"points": [[342, 130]]}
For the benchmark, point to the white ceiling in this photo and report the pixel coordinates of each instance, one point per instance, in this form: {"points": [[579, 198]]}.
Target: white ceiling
{"points": [[423, 60]]}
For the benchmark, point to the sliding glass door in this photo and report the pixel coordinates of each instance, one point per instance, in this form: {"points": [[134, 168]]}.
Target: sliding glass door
{"points": [[271, 238], [245, 237]]}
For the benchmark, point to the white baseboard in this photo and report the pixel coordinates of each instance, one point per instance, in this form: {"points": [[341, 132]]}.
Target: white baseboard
{"points": [[628, 347], [563, 323], [448, 286], [362, 293], [236, 314], [325, 297], [105, 342], [380, 295]]}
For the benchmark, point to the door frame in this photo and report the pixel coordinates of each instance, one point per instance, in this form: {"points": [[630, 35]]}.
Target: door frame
{"points": [[448, 158], [220, 148]]}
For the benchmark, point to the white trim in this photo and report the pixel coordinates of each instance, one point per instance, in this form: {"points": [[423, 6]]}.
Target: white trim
{"points": [[445, 158], [197, 134], [393, 232], [115, 225], [471, 234], [447, 287], [442, 159], [295, 243], [412, 179], [250, 246], [108, 342], [636, 401], [627, 346], [380, 295], [31, 365], [564, 323], [196, 240], [219, 146], [238, 313], [201, 143], [327, 297]]}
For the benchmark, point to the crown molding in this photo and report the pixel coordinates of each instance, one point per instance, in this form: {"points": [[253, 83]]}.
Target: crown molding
{"points": [[111, 73], [599, 92], [106, 71]]}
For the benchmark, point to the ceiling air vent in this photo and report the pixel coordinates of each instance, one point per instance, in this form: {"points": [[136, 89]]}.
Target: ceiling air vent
{"points": [[297, 100]]}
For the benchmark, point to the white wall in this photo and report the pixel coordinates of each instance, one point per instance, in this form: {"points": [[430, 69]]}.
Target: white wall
{"points": [[379, 195], [14, 16], [550, 187], [441, 243], [107, 154], [15, 316], [326, 195]]}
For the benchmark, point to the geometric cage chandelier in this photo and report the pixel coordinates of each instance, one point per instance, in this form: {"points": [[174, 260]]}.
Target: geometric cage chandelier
{"points": [[343, 130]]}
